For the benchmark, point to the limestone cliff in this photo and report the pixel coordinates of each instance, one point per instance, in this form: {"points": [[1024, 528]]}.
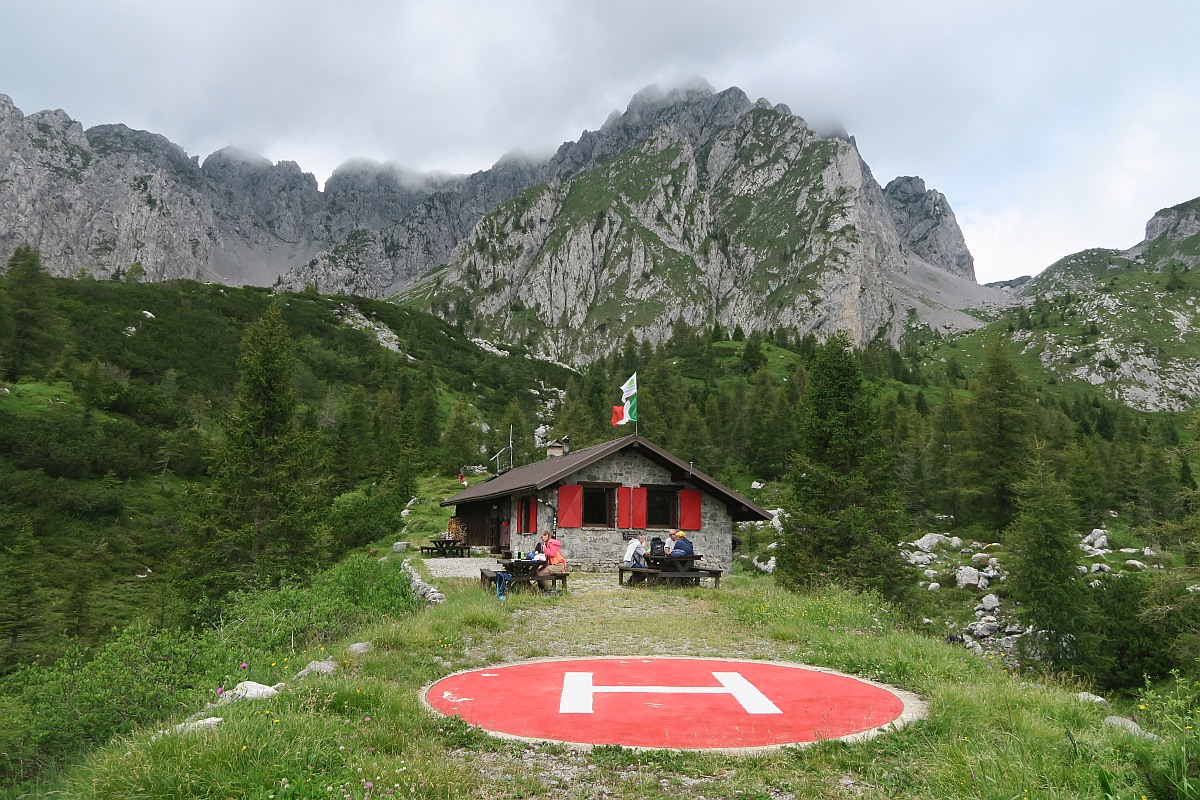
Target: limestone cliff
{"points": [[691, 204], [741, 215]]}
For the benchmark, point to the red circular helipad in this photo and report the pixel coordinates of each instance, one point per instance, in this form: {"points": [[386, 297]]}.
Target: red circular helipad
{"points": [[676, 703]]}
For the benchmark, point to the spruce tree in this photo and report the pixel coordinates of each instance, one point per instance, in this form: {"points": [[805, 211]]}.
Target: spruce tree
{"points": [[846, 517], [516, 422], [261, 518], [460, 439], [35, 335], [1043, 554], [997, 429], [24, 606]]}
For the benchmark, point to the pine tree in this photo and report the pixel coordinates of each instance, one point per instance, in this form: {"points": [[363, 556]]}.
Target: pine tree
{"points": [[460, 439], [516, 422], [261, 518], [847, 516], [24, 606], [1043, 555], [36, 331], [997, 426]]}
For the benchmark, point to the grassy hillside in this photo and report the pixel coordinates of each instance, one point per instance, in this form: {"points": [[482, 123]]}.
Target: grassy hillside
{"points": [[994, 731], [100, 449]]}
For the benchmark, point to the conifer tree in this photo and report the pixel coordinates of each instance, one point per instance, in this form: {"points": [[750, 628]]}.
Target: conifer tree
{"points": [[847, 516], [517, 422], [460, 439], [261, 518], [997, 428], [24, 607], [35, 329], [1043, 555]]}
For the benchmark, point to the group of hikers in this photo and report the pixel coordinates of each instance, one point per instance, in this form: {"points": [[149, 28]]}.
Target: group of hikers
{"points": [[635, 553], [549, 549]]}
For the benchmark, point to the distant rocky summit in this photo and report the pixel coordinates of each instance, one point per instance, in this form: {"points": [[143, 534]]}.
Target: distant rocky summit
{"points": [[691, 205]]}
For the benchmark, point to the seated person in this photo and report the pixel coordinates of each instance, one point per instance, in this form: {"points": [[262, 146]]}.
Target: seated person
{"points": [[635, 553], [635, 557], [681, 546], [556, 562]]}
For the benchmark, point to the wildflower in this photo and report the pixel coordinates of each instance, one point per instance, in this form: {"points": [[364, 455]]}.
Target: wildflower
{"points": [[245, 746], [366, 719], [244, 665]]}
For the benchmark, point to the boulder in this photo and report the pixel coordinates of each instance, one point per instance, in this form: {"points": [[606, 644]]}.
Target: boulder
{"points": [[1088, 697], [983, 629], [966, 576], [929, 541], [326, 667], [1132, 727]]}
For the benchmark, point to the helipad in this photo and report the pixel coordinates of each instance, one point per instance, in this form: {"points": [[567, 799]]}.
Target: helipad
{"points": [[675, 703]]}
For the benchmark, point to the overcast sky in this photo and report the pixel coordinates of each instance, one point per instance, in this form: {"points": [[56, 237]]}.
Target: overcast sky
{"points": [[1050, 125]]}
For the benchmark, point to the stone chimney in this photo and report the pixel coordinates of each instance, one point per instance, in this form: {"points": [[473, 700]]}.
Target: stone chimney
{"points": [[555, 449]]}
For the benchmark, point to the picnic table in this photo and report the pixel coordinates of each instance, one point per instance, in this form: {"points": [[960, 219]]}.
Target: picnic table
{"points": [[524, 572], [672, 569], [445, 546]]}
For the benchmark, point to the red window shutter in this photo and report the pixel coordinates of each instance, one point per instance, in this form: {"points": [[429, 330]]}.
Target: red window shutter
{"points": [[624, 507], [531, 507], [639, 508], [570, 506], [689, 509]]}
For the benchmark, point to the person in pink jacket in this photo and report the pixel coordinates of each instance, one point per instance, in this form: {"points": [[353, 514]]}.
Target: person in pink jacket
{"points": [[556, 562]]}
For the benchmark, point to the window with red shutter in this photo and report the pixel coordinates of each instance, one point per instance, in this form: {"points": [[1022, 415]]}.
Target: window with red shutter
{"points": [[624, 507], [639, 508], [570, 506], [689, 509]]}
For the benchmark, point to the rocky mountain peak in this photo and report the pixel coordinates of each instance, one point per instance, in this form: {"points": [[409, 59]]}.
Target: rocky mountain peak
{"points": [[928, 227], [1177, 222]]}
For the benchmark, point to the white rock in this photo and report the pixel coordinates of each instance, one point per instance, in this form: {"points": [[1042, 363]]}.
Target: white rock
{"points": [[1132, 727], [1135, 565], [325, 667], [990, 602], [249, 690], [1088, 697], [966, 576], [933, 587], [929, 541], [208, 723], [359, 648], [757, 484]]}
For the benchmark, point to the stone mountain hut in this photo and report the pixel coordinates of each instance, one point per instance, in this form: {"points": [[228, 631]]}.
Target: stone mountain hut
{"points": [[594, 498]]}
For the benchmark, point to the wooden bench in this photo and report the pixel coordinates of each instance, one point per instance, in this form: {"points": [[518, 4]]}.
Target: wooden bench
{"points": [[690, 578], [632, 571]]}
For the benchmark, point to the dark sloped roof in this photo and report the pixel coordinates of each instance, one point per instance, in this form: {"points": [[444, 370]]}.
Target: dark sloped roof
{"points": [[533, 477]]}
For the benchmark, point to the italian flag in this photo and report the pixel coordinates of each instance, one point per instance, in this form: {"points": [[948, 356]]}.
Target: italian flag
{"points": [[627, 412]]}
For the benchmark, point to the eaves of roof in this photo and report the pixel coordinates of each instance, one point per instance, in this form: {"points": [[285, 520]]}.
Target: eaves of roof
{"points": [[543, 474]]}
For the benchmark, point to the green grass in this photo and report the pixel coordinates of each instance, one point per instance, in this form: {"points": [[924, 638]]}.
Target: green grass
{"points": [[990, 734]]}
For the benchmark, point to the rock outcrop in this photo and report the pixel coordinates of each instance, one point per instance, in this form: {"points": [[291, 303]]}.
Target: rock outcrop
{"points": [[691, 205]]}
